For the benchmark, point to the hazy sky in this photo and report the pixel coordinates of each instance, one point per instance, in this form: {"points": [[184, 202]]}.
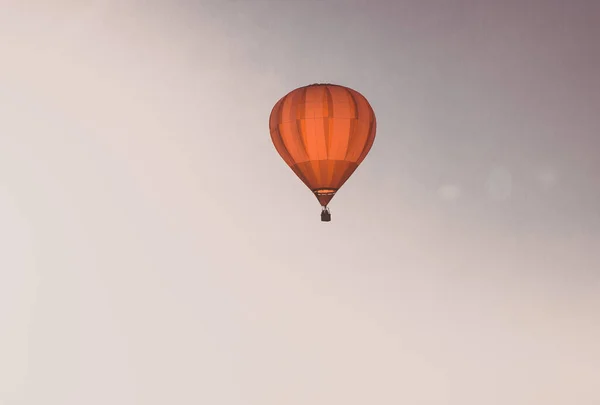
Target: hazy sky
{"points": [[155, 249]]}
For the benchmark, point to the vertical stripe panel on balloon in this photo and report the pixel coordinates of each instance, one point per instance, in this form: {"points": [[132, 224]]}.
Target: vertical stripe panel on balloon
{"points": [[291, 131], [370, 140], [328, 113], [315, 101], [276, 135], [366, 115]]}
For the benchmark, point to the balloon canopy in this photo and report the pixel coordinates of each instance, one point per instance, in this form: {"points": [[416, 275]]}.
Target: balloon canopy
{"points": [[323, 132]]}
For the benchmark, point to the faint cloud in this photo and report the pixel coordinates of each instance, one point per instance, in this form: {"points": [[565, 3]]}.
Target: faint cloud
{"points": [[449, 192], [547, 178], [499, 184]]}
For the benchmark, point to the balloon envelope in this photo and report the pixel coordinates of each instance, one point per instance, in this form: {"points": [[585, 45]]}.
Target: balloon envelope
{"points": [[323, 132]]}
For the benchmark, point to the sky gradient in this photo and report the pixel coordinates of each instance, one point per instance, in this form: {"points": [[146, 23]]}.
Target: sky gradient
{"points": [[155, 249]]}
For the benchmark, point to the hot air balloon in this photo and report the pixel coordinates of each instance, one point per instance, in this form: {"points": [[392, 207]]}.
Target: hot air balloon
{"points": [[323, 132]]}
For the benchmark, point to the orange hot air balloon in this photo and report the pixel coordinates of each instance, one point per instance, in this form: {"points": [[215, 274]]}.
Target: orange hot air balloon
{"points": [[323, 132]]}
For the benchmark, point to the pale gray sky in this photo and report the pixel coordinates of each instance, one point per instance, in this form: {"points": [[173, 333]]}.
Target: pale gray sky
{"points": [[155, 249]]}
